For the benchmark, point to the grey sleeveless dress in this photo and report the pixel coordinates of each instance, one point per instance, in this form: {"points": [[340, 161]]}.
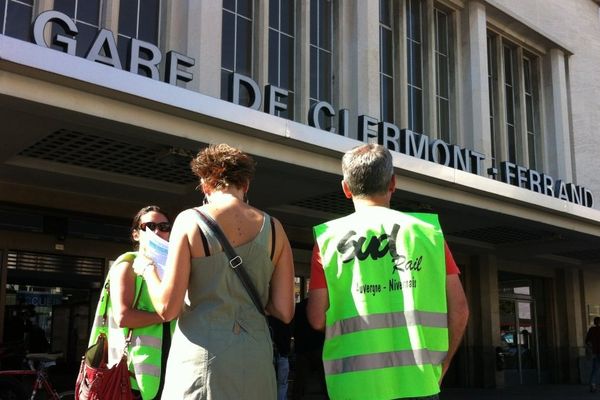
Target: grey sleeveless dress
{"points": [[221, 348]]}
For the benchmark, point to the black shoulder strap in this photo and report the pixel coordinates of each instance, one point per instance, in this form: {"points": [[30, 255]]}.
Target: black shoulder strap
{"points": [[272, 238], [235, 261], [204, 242]]}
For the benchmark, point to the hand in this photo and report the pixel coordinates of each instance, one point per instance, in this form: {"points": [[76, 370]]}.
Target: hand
{"points": [[141, 264]]}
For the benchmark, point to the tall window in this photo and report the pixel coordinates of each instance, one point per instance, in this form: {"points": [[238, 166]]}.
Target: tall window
{"points": [[281, 50], [509, 105], [442, 82], [236, 48], [514, 72], [386, 61], [531, 110], [415, 65], [492, 78], [321, 48], [15, 16], [86, 14], [138, 19]]}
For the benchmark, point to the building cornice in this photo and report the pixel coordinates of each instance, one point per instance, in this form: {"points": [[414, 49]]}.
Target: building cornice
{"points": [[527, 26]]}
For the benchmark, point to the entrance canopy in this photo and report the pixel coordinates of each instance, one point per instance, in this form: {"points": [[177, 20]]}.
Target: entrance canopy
{"points": [[89, 138]]}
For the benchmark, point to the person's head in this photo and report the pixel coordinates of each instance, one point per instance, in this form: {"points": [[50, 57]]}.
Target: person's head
{"points": [[30, 312], [597, 321], [368, 170], [151, 218], [220, 166]]}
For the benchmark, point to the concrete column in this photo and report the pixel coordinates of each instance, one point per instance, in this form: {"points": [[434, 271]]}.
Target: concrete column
{"points": [[401, 62], [483, 332], [558, 143], [456, 88], [261, 43], [38, 8], [205, 21], [174, 26], [367, 58], [173, 32], [475, 89], [430, 127], [357, 80], [501, 134], [302, 79], [111, 16], [570, 325], [41, 6], [521, 113]]}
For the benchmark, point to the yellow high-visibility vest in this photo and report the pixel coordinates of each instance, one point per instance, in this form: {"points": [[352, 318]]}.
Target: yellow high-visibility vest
{"points": [[145, 349], [386, 326]]}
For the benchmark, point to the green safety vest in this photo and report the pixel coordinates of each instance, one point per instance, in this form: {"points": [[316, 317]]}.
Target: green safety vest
{"points": [[145, 349], [386, 326]]}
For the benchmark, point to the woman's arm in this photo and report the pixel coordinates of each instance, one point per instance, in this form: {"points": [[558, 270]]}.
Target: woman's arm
{"points": [[167, 295], [122, 293], [281, 293]]}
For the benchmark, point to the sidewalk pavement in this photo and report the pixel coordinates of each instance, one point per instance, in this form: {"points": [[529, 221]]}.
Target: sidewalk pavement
{"points": [[546, 392]]}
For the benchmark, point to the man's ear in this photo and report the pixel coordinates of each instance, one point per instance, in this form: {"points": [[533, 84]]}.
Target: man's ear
{"points": [[392, 187], [346, 189]]}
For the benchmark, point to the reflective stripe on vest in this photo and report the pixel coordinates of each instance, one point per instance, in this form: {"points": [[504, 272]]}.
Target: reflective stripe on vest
{"points": [[384, 360], [147, 369], [387, 320], [98, 321], [147, 341], [145, 350]]}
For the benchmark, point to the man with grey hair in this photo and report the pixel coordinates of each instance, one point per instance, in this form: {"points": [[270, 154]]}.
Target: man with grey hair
{"points": [[386, 289], [368, 170]]}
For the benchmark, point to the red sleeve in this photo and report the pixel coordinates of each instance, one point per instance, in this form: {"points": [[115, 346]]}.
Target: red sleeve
{"points": [[451, 267], [317, 275]]}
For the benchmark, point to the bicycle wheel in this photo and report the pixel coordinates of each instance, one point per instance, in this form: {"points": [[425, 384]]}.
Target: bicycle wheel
{"points": [[11, 389], [67, 395]]}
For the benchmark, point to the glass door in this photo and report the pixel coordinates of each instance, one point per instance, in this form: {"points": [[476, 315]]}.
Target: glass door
{"points": [[519, 341]]}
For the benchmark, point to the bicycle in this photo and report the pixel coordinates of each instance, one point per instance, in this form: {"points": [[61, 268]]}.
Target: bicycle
{"points": [[12, 388]]}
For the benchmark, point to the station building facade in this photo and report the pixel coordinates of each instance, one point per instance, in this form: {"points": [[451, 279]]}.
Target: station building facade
{"points": [[489, 108]]}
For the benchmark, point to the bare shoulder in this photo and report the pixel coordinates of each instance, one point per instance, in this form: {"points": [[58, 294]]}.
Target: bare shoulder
{"points": [[189, 214], [118, 271], [186, 219], [278, 226], [252, 212]]}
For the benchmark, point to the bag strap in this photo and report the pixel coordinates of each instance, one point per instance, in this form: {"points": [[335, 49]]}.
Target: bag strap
{"points": [[272, 238], [235, 261], [106, 298], [135, 304]]}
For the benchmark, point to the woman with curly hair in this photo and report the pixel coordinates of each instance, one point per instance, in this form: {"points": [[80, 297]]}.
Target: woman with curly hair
{"points": [[221, 348]]}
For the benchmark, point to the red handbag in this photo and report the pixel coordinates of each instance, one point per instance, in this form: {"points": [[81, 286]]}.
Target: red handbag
{"points": [[95, 380], [98, 382]]}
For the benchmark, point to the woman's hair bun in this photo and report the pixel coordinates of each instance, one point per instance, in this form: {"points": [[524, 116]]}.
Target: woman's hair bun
{"points": [[220, 165]]}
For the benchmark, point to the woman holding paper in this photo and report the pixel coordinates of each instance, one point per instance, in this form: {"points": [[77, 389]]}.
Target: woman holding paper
{"points": [[221, 347], [130, 310]]}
